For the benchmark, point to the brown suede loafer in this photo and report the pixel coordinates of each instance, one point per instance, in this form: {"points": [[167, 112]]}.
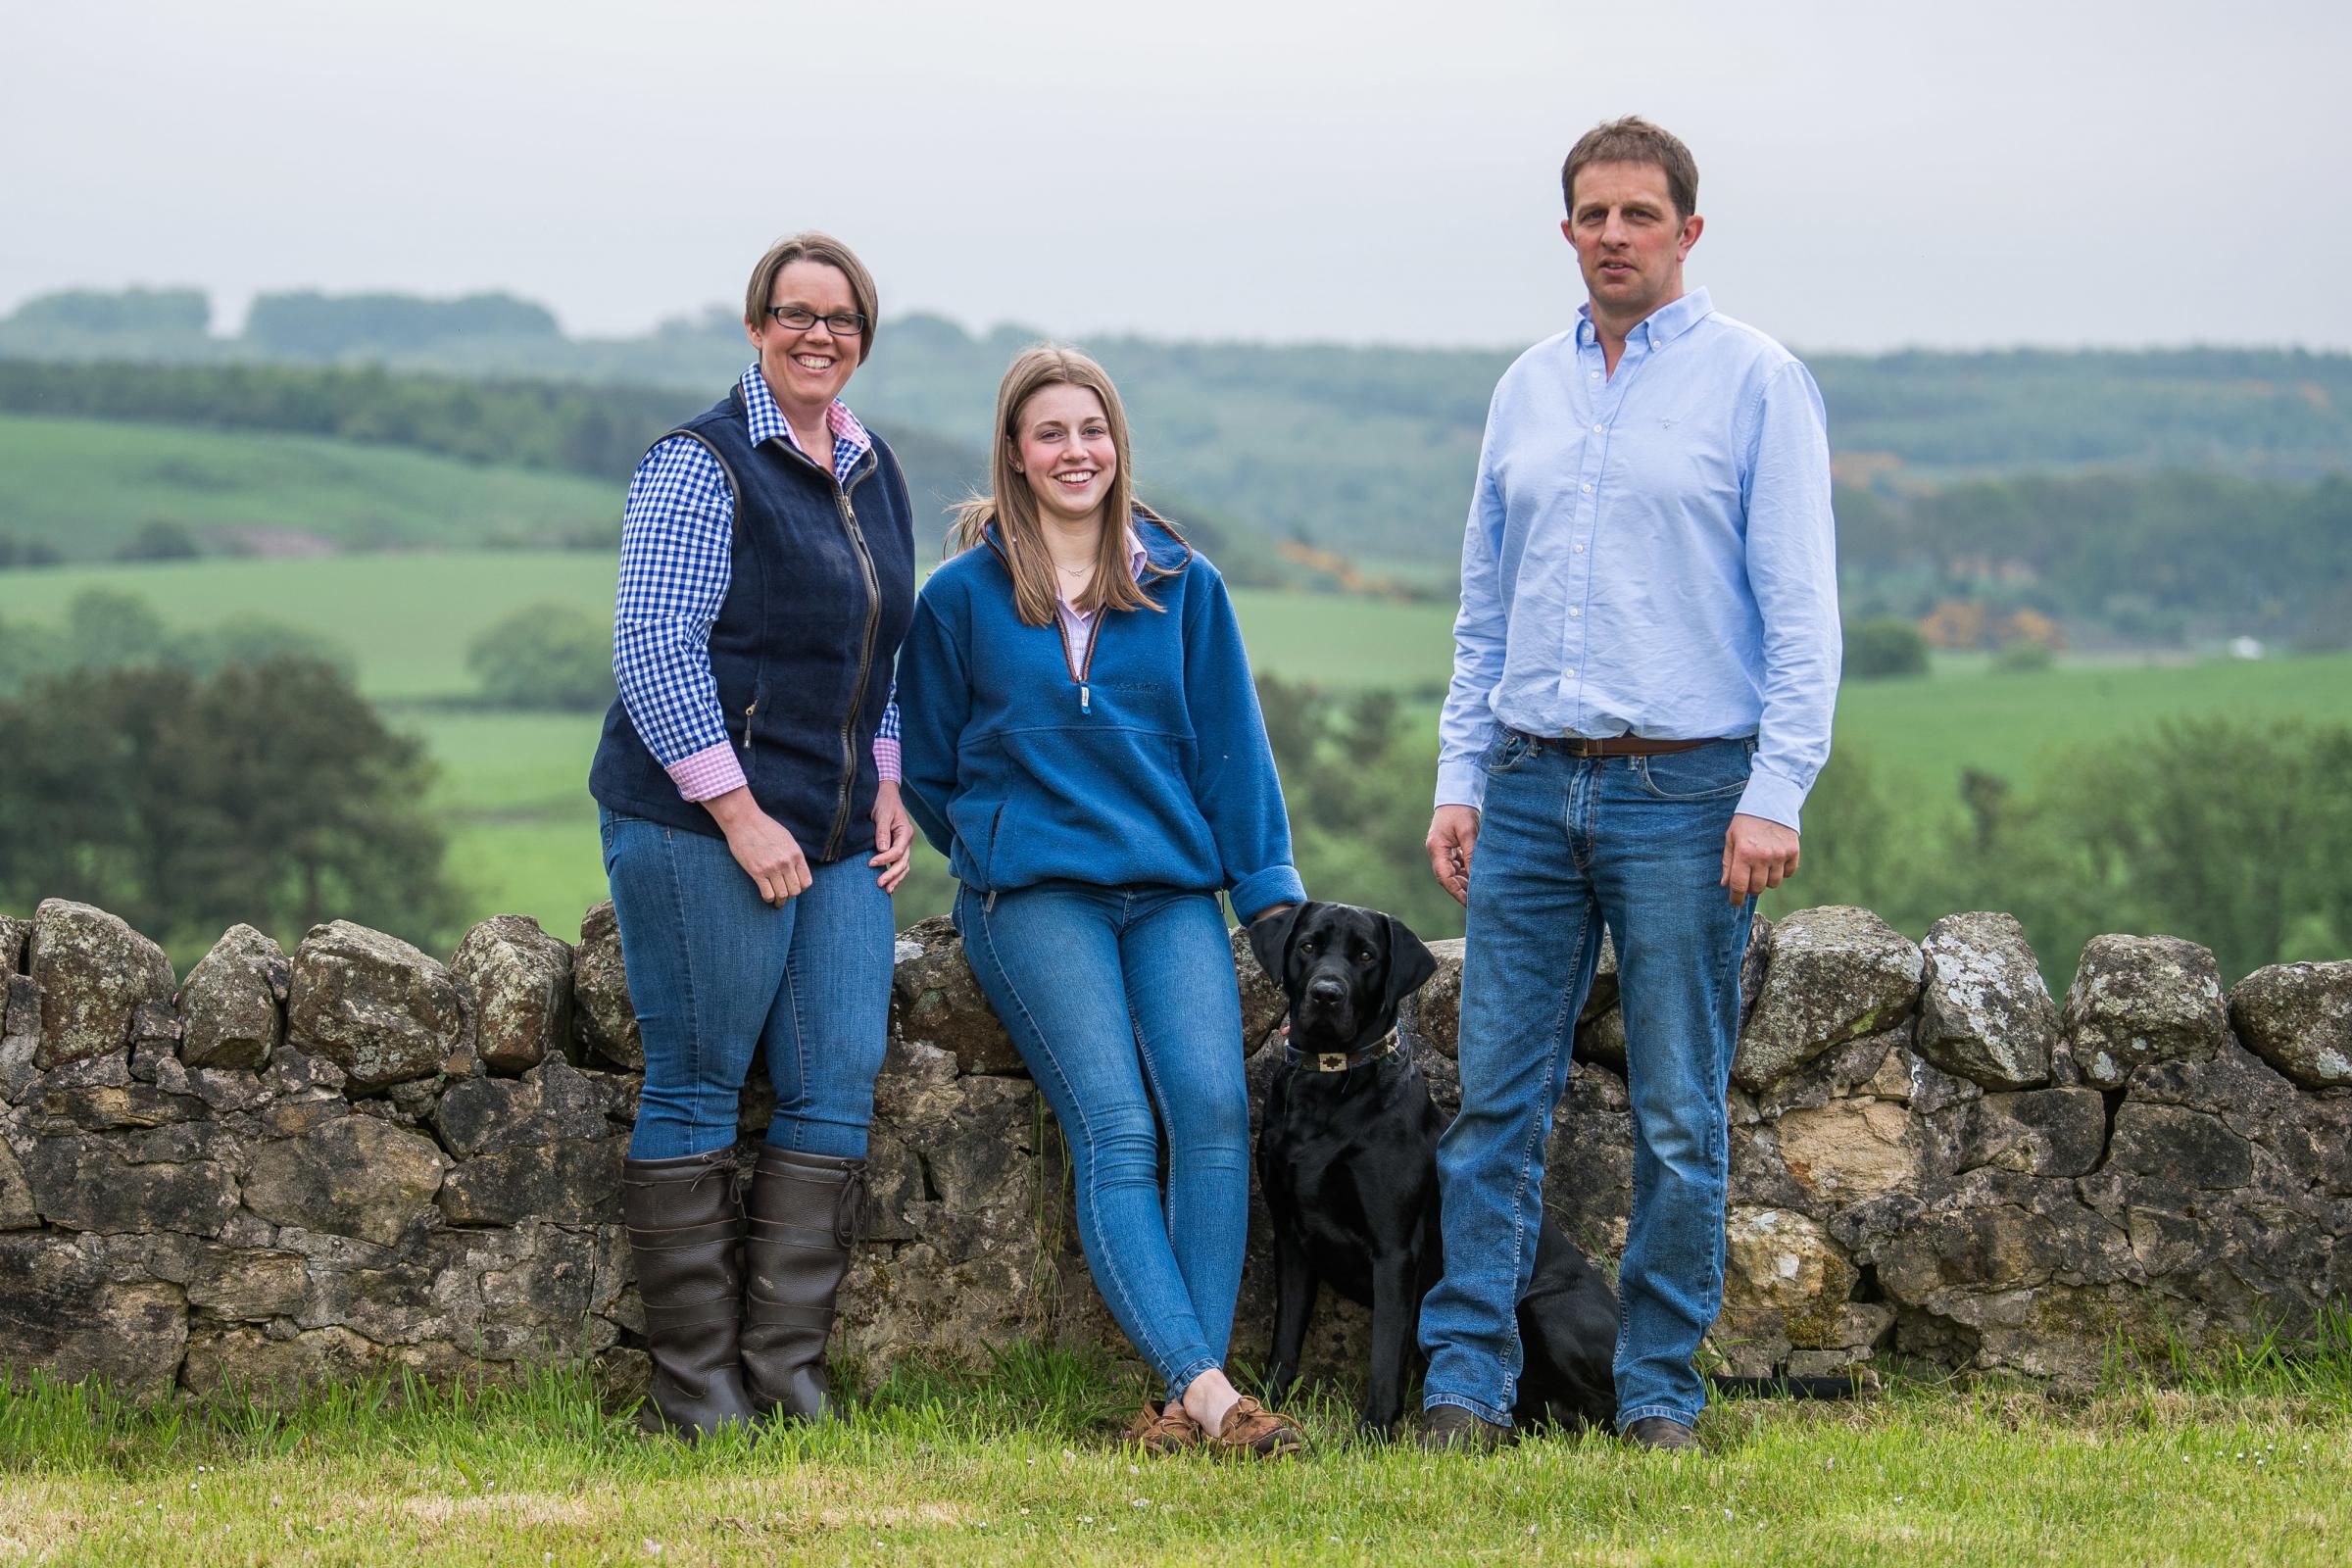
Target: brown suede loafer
{"points": [[1250, 1428], [1662, 1432], [1165, 1428]]}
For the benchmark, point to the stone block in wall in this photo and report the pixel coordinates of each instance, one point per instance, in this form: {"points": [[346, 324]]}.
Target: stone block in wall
{"points": [[2298, 1018], [1432, 1015], [574, 1182], [93, 971], [553, 1103], [937, 1000], [99, 1182], [604, 1026], [62, 1312], [17, 1211], [372, 1005], [251, 1284], [1263, 1003], [1832, 974], [1784, 1288], [2179, 1146], [1851, 1150], [521, 981], [233, 1000], [15, 932], [2137, 1001], [2041, 1132], [353, 1176], [1983, 1012]]}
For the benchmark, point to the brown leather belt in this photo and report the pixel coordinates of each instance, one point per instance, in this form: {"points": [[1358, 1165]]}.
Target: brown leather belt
{"points": [[1611, 746]]}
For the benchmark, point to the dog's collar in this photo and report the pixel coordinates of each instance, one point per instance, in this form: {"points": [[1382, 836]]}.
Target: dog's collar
{"points": [[1334, 1060]]}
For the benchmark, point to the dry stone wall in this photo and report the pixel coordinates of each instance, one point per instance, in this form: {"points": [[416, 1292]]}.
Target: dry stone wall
{"points": [[352, 1158]]}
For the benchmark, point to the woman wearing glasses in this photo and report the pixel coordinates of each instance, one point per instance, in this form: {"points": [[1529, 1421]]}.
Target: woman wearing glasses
{"points": [[753, 834], [1084, 745]]}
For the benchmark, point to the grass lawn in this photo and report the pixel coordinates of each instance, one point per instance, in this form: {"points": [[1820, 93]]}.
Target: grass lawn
{"points": [[1025, 1466], [87, 485]]}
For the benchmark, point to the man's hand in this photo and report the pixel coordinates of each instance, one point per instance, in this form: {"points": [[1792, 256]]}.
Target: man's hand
{"points": [[894, 837], [1453, 835], [763, 846], [1756, 855]]}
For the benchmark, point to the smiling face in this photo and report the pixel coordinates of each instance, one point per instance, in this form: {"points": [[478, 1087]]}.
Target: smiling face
{"points": [[1065, 453], [1630, 244], [806, 369]]}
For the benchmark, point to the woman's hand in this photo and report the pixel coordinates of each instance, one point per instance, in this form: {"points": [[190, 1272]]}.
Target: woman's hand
{"points": [[763, 846], [894, 837]]}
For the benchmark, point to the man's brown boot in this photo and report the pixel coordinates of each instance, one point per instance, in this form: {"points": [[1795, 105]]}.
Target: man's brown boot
{"points": [[1658, 1432], [1451, 1428]]}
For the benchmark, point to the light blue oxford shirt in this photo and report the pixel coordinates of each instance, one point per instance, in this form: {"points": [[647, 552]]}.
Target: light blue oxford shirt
{"points": [[1651, 553]]}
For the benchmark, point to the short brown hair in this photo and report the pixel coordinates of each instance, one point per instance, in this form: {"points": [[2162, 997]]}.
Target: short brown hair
{"points": [[1634, 140], [810, 246]]}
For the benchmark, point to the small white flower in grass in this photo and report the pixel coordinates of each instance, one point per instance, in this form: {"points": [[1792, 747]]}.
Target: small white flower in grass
{"points": [[1133, 1471], [652, 1548], [1085, 1518], [1139, 1502], [1025, 1511]]}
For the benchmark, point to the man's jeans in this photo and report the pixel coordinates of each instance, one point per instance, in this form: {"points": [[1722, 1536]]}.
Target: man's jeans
{"points": [[1565, 844], [716, 976], [1123, 1000]]}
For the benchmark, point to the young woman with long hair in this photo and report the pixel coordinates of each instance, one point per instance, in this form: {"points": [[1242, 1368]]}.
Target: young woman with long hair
{"points": [[1083, 742]]}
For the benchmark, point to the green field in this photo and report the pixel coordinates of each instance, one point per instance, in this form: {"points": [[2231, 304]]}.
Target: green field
{"points": [[513, 786], [85, 486]]}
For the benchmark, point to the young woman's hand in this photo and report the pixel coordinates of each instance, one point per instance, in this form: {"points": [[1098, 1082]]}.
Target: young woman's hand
{"points": [[763, 846], [894, 837]]}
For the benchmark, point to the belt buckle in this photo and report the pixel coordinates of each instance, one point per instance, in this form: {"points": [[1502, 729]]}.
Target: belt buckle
{"points": [[1582, 745]]}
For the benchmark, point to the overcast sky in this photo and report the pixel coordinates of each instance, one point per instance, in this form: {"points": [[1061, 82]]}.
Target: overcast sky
{"points": [[1873, 174]]}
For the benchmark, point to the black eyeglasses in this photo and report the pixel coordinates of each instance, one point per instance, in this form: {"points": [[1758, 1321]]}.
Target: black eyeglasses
{"points": [[798, 317]]}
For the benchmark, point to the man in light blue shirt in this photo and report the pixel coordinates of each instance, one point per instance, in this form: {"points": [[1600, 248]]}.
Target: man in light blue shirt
{"points": [[1646, 663]]}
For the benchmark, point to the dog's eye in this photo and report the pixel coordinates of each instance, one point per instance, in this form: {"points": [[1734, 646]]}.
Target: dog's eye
{"points": [[1363, 956], [1310, 944]]}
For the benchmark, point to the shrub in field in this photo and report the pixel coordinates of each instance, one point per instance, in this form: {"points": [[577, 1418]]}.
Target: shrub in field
{"points": [[159, 539], [1883, 646], [545, 656]]}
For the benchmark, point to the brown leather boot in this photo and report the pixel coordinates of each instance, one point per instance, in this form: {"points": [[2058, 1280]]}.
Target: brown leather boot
{"points": [[805, 1212], [685, 1234]]}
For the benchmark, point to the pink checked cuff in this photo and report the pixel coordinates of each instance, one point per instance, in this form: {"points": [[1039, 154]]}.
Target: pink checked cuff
{"points": [[712, 771], [886, 759]]}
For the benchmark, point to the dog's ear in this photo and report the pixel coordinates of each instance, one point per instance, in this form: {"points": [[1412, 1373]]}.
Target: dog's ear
{"points": [[1410, 962], [1270, 941]]}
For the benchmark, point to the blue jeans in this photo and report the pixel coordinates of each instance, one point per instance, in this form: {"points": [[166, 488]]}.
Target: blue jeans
{"points": [[716, 976], [1565, 844], [1123, 1002]]}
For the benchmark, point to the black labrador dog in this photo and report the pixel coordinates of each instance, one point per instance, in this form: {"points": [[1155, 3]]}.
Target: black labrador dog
{"points": [[1348, 1159]]}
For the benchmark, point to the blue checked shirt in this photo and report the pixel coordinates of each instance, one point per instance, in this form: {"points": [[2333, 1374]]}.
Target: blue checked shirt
{"points": [[675, 547], [1651, 553]]}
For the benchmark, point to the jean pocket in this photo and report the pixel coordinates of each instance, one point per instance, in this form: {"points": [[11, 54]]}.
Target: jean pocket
{"points": [[1505, 752], [1702, 773]]}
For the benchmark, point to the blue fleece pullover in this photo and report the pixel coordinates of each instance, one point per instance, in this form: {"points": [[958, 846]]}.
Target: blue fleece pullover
{"points": [[1145, 765]]}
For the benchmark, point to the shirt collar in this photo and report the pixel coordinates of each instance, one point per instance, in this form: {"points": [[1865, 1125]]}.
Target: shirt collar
{"points": [[1138, 556], [1660, 326], [767, 420]]}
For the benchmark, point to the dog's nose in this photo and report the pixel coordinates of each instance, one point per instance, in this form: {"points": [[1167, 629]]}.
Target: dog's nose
{"points": [[1326, 990]]}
